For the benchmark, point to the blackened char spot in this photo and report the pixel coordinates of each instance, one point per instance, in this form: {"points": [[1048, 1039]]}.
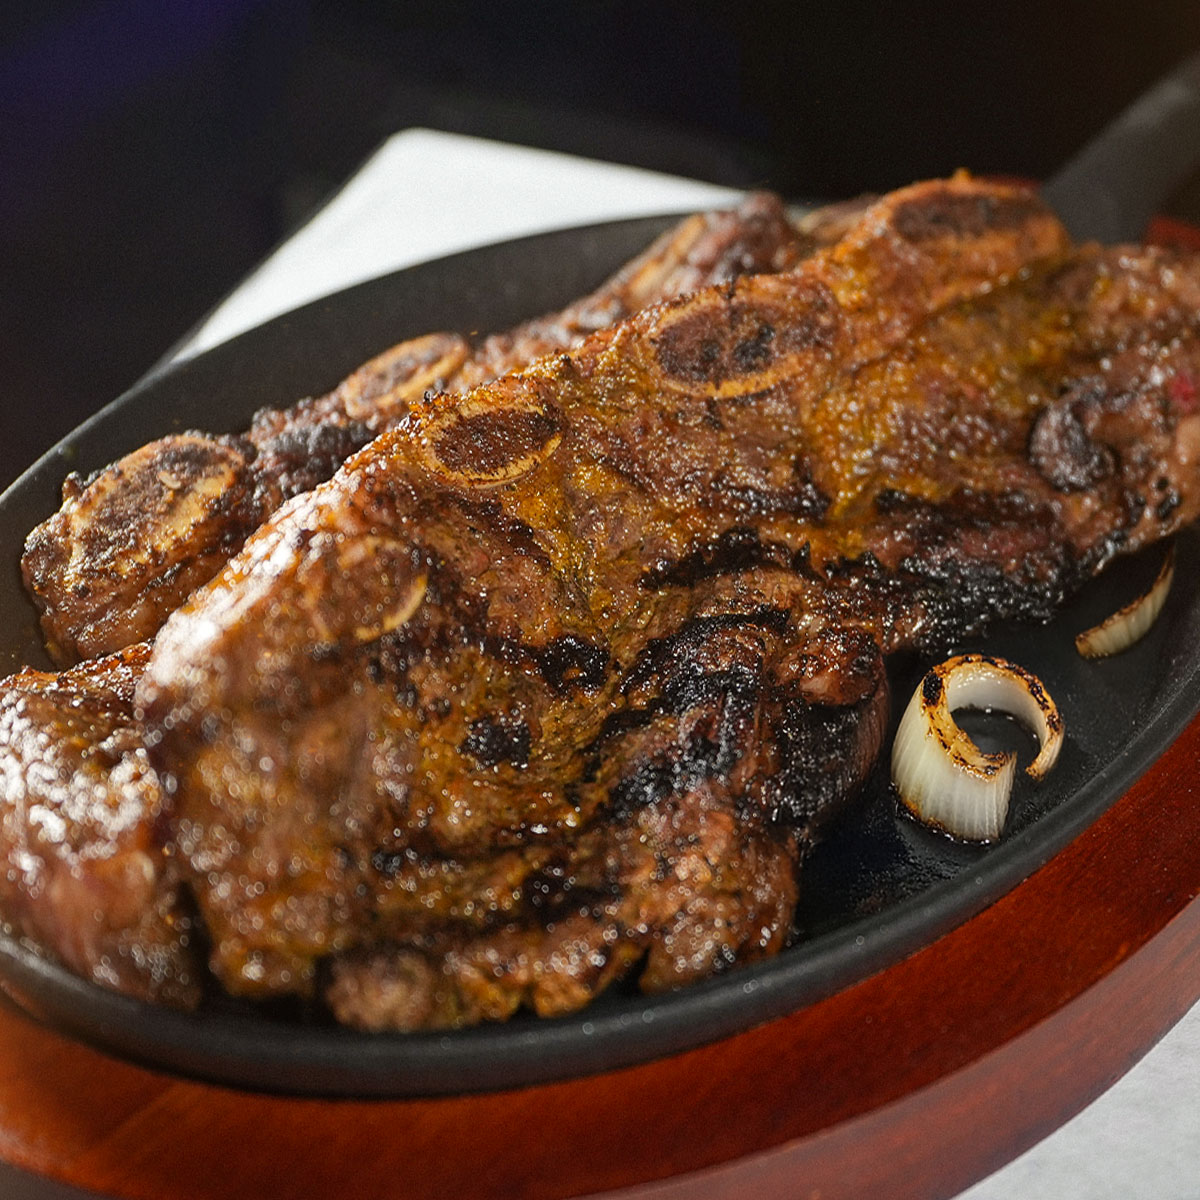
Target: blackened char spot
{"points": [[801, 562], [646, 784], [194, 456], [737, 549], [1061, 450], [303, 456], [544, 888], [494, 740], [710, 344], [958, 599], [571, 661], [753, 353], [892, 500], [624, 721], [689, 689], [1167, 505], [664, 653], [827, 751], [967, 216], [862, 567], [979, 556], [654, 779]]}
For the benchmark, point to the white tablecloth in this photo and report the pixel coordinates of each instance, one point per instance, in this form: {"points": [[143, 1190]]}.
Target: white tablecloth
{"points": [[426, 194]]}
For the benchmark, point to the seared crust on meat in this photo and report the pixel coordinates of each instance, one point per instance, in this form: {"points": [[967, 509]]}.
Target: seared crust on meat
{"points": [[470, 717], [87, 874], [130, 545], [557, 680], [127, 545]]}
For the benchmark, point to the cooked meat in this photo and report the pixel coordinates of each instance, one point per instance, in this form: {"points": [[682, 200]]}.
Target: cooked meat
{"points": [[562, 673], [831, 222], [87, 874], [128, 546], [692, 824], [84, 835]]}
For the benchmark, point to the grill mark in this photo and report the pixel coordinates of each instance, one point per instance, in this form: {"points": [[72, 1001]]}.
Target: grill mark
{"points": [[693, 689], [569, 662], [714, 748], [673, 647], [803, 499], [688, 350], [653, 780], [1002, 524], [736, 550], [623, 721], [513, 533], [491, 741], [565, 663], [890, 500]]}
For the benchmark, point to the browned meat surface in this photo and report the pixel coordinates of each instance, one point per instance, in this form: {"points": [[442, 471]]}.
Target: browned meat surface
{"points": [[100, 823], [128, 546], [831, 222], [561, 674], [87, 874]]}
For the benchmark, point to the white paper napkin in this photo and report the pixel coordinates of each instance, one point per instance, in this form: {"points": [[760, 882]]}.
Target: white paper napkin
{"points": [[423, 195]]}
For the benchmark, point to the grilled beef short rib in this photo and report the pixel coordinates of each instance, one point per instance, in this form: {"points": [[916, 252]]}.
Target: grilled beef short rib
{"points": [[129, 545], [86, 868], [559, 677], [90, 868]]}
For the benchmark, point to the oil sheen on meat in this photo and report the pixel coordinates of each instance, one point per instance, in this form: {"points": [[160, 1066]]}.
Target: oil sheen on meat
{"points": [[129, 545], [556, 681], [84, 835]]}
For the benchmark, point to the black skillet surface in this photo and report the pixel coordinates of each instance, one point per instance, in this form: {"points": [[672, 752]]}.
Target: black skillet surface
{"points": [[879, 887]]}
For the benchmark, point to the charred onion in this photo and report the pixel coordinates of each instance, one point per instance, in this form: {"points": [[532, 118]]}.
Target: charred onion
{"points": [[1131, 623], [942, 775]]}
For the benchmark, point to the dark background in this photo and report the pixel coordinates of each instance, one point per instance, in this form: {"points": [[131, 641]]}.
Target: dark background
{"points": [[152, 151]]}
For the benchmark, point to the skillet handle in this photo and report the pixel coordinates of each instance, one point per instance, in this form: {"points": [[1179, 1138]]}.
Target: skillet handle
{"points": [[1116, 183]]}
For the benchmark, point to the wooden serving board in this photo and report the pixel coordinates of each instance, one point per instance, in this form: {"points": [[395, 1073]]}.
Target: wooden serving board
{"points": [[912, 1083]]}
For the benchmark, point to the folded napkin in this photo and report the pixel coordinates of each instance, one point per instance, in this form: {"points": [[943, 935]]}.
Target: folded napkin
{"points": [[423, 195]]}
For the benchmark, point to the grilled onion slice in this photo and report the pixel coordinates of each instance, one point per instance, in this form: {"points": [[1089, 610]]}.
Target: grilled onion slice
{"points": [[942, 776], [1131, 623]]}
